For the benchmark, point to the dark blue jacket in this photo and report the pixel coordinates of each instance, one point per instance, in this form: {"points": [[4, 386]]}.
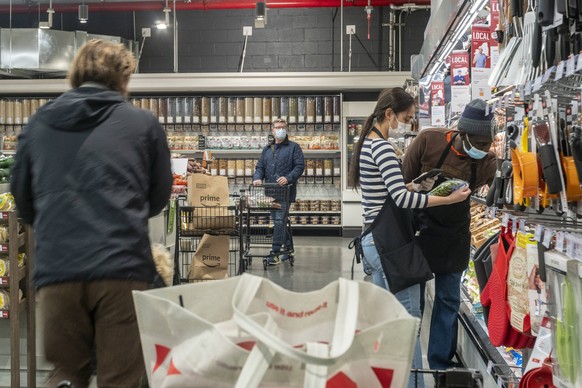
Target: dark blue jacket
{"points": [[90, 170], [285, 160]]}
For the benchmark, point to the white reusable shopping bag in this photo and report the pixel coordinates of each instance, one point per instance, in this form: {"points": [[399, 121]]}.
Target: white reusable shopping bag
{"points": [[247, 332]]}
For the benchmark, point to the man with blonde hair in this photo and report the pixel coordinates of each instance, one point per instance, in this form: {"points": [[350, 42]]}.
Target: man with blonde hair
{"points": [[90, 170]]}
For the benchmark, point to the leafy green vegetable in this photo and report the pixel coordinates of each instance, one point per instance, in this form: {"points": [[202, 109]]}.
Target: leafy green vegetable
{"points": [[447, 187]]}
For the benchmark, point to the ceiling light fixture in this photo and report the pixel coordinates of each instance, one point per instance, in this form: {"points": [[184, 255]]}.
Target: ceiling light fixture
{"points": [[83, 13], [164, 24], [49, 23]]}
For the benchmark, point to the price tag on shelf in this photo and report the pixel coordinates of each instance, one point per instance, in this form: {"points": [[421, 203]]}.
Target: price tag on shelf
{"points": [[570, 247], [571, 66], [487, 110], [579, 64], [3, 281], [3, 215], [539, 229], [549, 233], [3, 248], [222, 119], [560, 241], [187, 119], [559, 71], [537, 84], [505, 220], [547, 75], [4, 314], [527, 88]]}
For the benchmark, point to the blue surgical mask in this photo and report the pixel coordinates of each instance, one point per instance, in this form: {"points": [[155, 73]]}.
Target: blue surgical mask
{"points": [[280, 134], [474, 153]]}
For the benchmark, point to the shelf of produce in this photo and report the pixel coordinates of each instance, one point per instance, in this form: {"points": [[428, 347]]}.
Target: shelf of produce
{"points": [[251, 152], [5, 247]]}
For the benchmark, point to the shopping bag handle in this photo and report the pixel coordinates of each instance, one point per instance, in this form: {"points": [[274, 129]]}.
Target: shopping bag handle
{"points": [[344, 330]]}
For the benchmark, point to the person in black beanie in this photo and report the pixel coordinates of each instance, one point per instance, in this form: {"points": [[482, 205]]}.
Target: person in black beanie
{"points": [[444, 234]]}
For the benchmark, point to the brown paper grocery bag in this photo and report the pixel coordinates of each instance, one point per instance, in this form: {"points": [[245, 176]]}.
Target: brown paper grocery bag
{"points": [[209, 197], [208, 191], [210, 261]]}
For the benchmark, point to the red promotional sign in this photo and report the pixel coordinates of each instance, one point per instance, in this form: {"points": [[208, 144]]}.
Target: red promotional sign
{"points": [[437, 93], [481, 46], [459, 61], [494, 15]]}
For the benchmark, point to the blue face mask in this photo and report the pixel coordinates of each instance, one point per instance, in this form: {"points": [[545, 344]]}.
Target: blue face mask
{"points": [[473, 153], [280, 134]]}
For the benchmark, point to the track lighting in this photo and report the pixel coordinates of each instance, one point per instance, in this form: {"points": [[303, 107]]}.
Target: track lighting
{"points": [[261, 14], [163, 24], [49, 23]]}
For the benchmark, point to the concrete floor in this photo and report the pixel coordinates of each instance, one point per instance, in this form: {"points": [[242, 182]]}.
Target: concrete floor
{"points": [[318, 261]]}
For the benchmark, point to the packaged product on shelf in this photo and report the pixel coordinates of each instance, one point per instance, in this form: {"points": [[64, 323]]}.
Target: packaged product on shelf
{"points": [[213, 110], [231, 112], [34, 105], [154, 106], [336, 109], [188, 108], [204, 110], [293, 219], [267, 110], [332, 142], [264, 141], [276, 107], [18, 112], [249, 109], [3, 112], [25, 110], [337, 163], [258, 111], [144, 103], [4, 266], [310, 109], [301, 109], [228, 142], [319, 167], [10, 112], [324, 205], [328, 109], [240, 110], [4, 300], [285, 108], [249, 167], [315, 143], [214, 167], [240, 167], [255, 142], [196, 109], [325, 220], [162, 110], [231, 170], [179, 109], [171, 110], [222, 109], [7, 202], [328, 167], [292, 110], [310, 167], [222, 167], [336, 220]]}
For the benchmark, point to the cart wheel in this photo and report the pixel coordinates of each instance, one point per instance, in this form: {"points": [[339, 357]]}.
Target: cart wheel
{"points": [[291, 260], [265, 264]]}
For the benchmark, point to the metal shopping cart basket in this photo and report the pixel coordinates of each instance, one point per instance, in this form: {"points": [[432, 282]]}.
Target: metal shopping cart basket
{"points": [[192, 224], [265, 224]]}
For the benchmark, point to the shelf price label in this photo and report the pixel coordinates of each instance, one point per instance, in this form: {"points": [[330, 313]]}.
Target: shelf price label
{"points": [[4, 215], [4, 314], [3, 248], [3, 281], [559, 71], [571, 65]]}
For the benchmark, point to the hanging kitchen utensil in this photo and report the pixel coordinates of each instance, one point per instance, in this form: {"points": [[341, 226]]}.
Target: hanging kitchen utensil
{"points": [[545, 12], [564, 40], [529, 23], [536, 51], [503, 64], [551, 39], [551, 172], [561, 6]]}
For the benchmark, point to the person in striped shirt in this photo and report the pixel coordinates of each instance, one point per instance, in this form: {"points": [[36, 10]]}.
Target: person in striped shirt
{"points": [[376, 170]]}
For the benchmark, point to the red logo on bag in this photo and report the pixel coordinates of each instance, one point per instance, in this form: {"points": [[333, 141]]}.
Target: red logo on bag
{"points": [[384, 376], [340, 380], [161, 355]]}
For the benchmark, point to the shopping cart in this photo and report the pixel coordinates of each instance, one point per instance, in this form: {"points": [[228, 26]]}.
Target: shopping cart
{"points": [[193, 222], [264, 207], [452, 378]]}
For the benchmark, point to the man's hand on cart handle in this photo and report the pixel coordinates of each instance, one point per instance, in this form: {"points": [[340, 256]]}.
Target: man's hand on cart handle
{"points": [[258, 182], [282, 181]]}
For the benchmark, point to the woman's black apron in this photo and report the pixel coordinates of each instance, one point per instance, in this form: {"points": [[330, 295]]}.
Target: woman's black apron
{"points": [[444, 231]]}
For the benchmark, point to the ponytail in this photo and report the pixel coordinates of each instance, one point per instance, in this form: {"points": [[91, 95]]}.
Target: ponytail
{"points": [[354, 173]]}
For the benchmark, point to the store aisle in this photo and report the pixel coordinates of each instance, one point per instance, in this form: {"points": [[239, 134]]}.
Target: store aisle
{"points": [[318, 261]]}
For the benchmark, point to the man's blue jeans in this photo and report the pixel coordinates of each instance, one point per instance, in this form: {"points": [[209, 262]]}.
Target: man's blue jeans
{"points": [[409, 298], [280, 234], [442, 342]]}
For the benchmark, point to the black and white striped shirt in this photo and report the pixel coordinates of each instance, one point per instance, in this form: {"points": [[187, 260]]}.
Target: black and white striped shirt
{"points": [[380, 175]]}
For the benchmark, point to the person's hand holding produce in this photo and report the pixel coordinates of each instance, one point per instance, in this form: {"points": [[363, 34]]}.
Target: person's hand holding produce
{"points": [[459, 195]]}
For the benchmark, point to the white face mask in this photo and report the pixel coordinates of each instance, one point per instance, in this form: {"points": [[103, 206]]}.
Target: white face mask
{"points": [[280, 133], [401, 127]]}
